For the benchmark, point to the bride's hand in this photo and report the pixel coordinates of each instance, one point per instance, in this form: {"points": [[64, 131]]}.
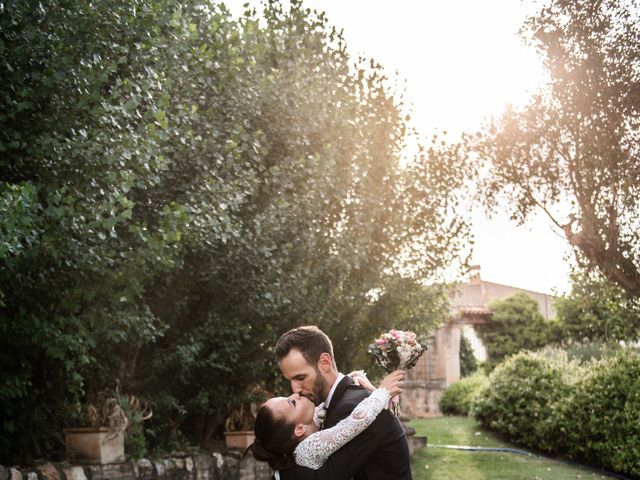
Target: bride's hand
{"points": [[359, 378], [393, 382]]}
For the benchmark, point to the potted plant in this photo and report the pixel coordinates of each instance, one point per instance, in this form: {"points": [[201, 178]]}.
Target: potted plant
{"points": [[238, 425], [105, 422]]}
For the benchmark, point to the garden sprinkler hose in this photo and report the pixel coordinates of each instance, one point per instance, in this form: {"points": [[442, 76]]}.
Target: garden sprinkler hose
{"points": [[524, 452]]}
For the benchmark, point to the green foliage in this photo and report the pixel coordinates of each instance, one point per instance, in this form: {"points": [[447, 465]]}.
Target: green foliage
{"points": [[404, 304], [588, 411], [574, 145], [468, 361], [516, 324], [136, 412], [178, 188], [601, 418], [587, 352], [597, 310], [459, 397], [76, 252], [521, 401]]}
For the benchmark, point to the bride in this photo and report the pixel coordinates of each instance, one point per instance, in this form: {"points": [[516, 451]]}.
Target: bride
{"points": [[287, 429]]}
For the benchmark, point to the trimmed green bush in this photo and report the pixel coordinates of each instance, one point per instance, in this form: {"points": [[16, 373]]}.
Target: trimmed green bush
{"points": [[459, 397], [468, 361], [521, 402], [516, 324], [589, 411], [601, 419]]}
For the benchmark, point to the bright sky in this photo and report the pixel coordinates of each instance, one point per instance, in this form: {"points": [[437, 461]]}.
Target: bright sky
{"points": [[462, 61]]}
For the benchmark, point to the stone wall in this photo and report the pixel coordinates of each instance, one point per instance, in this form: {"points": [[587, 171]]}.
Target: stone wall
{"points": [[228, 465], [434, 372]]}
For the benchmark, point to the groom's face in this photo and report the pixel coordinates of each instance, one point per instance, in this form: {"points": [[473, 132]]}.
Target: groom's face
{"points": [[306, 379]]}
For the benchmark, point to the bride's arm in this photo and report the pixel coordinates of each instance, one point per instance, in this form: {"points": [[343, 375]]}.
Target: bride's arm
{"points": [[314, 450]]}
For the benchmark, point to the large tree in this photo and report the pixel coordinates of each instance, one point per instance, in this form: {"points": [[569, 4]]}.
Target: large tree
{"points": [[573, 150], [597, 310], [178, 188], [516, 324]]}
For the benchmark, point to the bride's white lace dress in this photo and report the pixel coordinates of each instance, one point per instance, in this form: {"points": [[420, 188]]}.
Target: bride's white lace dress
{"points": [[314, 450]]}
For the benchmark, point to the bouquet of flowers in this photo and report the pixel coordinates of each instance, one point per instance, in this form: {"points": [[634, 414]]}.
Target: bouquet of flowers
{"points": [[397, 350]]}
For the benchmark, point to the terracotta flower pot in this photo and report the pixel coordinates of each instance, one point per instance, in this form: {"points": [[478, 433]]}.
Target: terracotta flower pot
{"points": [[240, 440], [94, 445]]}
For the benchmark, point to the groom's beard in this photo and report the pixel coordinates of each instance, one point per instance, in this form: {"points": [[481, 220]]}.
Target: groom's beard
{"points": [[320, 389]]}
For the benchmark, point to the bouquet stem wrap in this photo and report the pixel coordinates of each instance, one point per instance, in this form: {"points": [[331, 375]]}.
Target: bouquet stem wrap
{"points": [[396, 350]]}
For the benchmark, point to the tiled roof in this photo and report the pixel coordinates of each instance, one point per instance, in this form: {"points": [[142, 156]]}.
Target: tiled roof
{"points": [[475, 296]]}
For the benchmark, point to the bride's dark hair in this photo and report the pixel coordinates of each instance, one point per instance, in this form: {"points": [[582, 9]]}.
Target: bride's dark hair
{"points": [[275, 441]]}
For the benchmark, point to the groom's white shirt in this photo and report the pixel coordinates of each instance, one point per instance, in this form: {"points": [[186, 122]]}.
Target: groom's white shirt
{"points": [[333, 389], [276, 474]]}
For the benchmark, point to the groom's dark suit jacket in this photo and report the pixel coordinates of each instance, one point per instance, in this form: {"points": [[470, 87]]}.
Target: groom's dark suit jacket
{"points": [[379, 453]]}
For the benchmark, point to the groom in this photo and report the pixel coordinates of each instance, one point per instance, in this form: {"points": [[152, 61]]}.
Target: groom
{"points": [[305, 356]]}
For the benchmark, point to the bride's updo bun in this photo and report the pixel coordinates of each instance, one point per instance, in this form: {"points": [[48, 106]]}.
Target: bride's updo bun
{"points": [[275, 441]]}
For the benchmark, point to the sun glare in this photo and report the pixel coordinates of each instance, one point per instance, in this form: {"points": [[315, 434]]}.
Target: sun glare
{"points": [[462, 59], [462, 62]]}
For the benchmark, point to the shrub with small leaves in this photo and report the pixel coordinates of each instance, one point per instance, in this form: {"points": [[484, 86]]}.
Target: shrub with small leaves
{"points": [[468, 361], [516, 324], [521, 401], [458, 398], [601, 418]]}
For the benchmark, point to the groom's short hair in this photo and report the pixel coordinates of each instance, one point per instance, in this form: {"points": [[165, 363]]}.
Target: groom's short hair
{"points": [[309, 340]]}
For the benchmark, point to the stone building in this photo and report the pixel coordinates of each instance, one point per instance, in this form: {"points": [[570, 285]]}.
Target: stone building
{"points": [[440, 366]]}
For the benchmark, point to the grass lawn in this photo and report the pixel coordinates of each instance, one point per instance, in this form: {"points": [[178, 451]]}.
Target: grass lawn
{"points": [[434, 463]]}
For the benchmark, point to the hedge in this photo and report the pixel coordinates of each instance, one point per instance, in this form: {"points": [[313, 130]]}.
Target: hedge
{"points": [[458, 398], [601, 419], [590, 411], [522, 399]]}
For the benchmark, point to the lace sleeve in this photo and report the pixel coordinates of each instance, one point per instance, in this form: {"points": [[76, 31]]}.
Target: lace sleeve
{"points": [[314, 450]]}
